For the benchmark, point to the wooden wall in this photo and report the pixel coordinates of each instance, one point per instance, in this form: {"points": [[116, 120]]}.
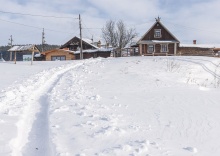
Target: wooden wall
{"points": [[165, 35], [195, 51], [69, 56], [94, 55], [171, 47]]}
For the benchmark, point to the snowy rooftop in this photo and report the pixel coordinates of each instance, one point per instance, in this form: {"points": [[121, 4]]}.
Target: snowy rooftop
{"points": [[90, 42], [22, 48], [94, 50], [156, 41], [201, 45]]}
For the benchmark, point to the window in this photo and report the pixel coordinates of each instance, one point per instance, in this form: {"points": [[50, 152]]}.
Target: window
{"points": [[150, 48], [164, 48], [157, 33], [58, 58], [95, 55]]}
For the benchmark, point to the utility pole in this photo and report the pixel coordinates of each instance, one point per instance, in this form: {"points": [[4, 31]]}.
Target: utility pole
{"points": [[81, 48], [43, 40], [10, 44]]}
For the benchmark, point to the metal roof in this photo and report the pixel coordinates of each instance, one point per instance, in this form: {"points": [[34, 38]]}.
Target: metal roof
{"points": [[24, 48]]}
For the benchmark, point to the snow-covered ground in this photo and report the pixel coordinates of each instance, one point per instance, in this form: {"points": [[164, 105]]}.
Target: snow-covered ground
{"points": [[146, 106]]}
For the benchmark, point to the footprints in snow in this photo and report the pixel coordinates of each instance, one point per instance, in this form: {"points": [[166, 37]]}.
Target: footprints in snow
{"points": [[135, 148], [191, 149]]}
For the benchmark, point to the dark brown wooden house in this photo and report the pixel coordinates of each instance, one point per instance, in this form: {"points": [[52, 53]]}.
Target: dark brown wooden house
{"points": [[93, 53], [71, 51], [74, 44], [89, 49], [158, 40]]}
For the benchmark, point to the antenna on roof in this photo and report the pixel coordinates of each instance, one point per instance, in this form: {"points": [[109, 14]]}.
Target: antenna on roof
{"points": [[158, 19], [92, 39]]}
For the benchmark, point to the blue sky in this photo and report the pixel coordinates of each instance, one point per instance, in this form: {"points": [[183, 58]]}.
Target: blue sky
{"points": [[188, 20]]}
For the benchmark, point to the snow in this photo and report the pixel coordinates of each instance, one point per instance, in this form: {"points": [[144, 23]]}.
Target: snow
{"points": [[157, 41], [200, 45], [2, 60], [155, 106], [95, 50], [21, 48]]}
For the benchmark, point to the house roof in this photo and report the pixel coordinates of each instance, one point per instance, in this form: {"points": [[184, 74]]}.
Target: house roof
{"points": [[54, 50], [24, 48], [157, 41], [94, 50], [157, 22], [201, 45], [87, 41], [47, 47], [217, 49]]}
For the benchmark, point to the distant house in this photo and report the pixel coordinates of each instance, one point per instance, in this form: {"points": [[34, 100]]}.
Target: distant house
{"points": [[74, 44], [58, 54], [131, 49], [196, 49], [158, 40], [24, 52], [71, 50]]}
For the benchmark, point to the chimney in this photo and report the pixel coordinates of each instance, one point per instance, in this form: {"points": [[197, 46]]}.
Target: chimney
{"points": [[194, 41], [99, 44]]}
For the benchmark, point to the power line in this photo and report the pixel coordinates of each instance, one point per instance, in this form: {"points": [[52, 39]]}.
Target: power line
{"points": [[89, 30], [33, 26], [16, 13], [187, 27], [86, 29]]}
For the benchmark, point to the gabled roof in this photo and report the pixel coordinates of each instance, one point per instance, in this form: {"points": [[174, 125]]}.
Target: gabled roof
{"points": [[87, 41], [158, 22], [24, 48]]}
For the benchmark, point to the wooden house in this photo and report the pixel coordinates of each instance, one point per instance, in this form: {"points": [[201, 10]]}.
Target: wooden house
{"points": [[74, 44], [195, 49], [93, 53], [58, 54], [158, 40], [71, 51], [24, 52], [67, 51]]}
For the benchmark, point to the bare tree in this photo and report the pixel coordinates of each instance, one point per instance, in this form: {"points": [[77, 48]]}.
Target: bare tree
{"points": [[109, 33], [118, 35]]}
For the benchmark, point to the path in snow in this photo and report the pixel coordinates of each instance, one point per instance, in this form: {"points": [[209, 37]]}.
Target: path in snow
{"points": [[30, 100], [39, 136]]}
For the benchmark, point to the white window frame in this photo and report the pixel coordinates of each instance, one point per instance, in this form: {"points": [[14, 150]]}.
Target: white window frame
{"points": [[157, 33], [164, 49], [149, 47]]}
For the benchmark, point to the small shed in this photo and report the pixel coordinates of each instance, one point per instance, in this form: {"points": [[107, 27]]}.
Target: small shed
{"points": [[196, 50], [25, 50]]}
